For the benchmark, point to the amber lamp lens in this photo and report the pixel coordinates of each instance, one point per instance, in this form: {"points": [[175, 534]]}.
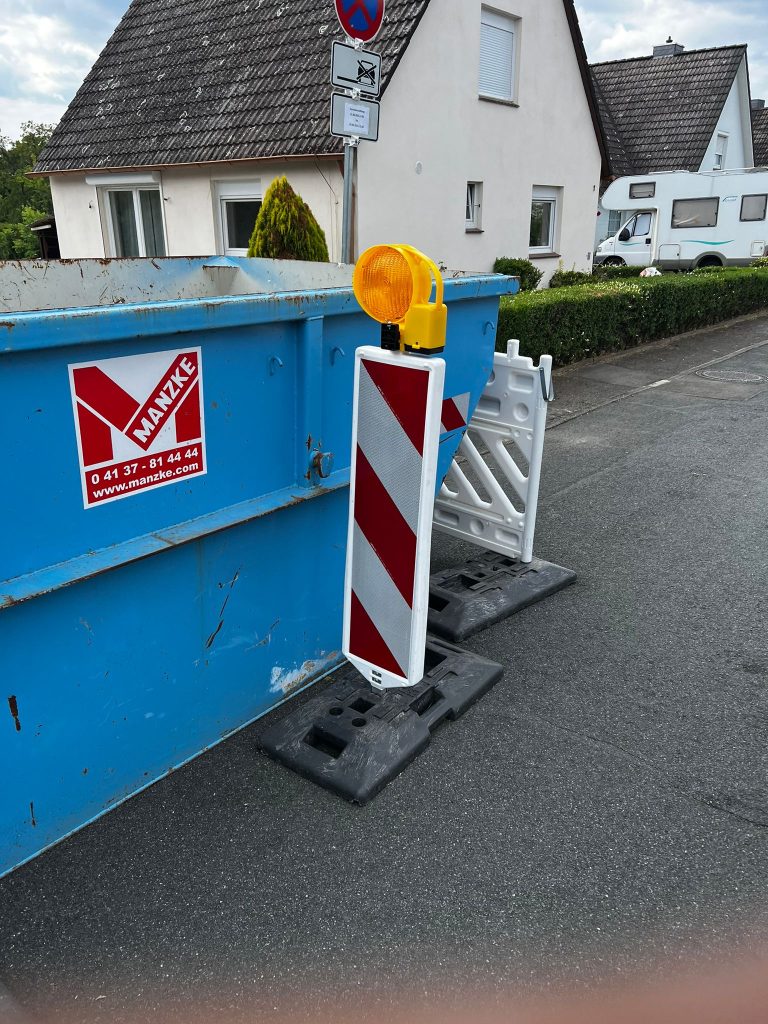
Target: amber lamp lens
{"points": [[383, 284]]}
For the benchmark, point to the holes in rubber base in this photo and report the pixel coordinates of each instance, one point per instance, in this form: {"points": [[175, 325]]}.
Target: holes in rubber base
{"points": [[362, 705], [329, 745]]}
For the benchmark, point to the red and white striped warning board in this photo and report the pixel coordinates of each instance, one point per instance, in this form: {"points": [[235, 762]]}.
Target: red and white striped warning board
{"points": [[455, 412], [395, 435], [139, 422]]}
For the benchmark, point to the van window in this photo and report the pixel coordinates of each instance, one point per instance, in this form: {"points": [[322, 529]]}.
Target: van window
{"points": [[753, 207], [642, 190], [642, 224], [695, 213]]}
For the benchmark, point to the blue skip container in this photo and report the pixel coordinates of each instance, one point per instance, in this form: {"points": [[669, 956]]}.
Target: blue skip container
{"points": [[177, 447]]}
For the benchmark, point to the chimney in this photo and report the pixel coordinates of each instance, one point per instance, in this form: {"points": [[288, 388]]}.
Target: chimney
{"points": [[669, 49], [758, 104]]}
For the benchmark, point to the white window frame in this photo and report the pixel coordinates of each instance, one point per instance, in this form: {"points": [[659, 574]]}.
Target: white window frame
{"points": [[245, 190], [721, 150], [129, 181], [106, 207], [553, 196], [493, 22], [474, 206]]}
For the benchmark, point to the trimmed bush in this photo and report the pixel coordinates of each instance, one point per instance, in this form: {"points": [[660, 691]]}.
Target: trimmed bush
{"points": [[611, 273], [286, 228], [529, 274], [566, 278], [584, 320]]}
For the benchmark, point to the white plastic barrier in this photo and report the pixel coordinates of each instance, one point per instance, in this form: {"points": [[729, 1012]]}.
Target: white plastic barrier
{"points": [[511, 414]]}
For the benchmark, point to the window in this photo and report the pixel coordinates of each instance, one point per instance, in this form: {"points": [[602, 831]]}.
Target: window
{"points": [[135, 221], [614, 222], [695, 213], [238, 205], [642, 190], [497, 55], [543, 219], [472, 218], [721, 148], [642, 225], [753, 207]]}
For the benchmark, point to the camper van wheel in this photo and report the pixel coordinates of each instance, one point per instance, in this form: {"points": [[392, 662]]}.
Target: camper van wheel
{"points": [[614, 261], [709, 261]]}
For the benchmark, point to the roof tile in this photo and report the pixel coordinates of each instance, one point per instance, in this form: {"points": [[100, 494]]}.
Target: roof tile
{"points": [[659, 113]]}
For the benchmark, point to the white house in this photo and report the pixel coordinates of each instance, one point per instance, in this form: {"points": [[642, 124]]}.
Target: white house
{"points": [[677, 110], [489, 144]]}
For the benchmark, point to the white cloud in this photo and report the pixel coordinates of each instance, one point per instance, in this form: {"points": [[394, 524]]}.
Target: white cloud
{"points": [[613, 29], [14, 112], [46, 50]]}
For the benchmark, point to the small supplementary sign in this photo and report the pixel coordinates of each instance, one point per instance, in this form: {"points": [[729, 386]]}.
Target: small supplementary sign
{"points": [[354, 117], [360, 19], [139, 422], [355, 69]]}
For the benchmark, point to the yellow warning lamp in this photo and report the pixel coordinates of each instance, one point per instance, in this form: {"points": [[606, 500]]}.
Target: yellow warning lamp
{"points": [[393, 284]]}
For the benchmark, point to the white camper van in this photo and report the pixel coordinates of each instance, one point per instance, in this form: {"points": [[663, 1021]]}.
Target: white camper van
{"points": [[679, 220]]}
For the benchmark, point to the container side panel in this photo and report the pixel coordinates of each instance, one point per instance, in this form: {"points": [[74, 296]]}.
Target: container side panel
{"points": [[117, 680]]}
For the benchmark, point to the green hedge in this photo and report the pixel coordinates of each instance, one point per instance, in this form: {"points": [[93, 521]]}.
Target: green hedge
{"points": [[584, 320]]}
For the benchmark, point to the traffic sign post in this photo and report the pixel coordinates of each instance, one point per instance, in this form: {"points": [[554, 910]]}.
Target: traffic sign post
{"points": [[360, 19], [355, 117], [353, 68]]}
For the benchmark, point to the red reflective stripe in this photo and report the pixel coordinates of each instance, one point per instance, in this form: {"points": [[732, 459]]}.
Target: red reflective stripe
{"points": [[188, 417], [384, 527], [451, 417], [105, 397], [366, 642], [405, 392], [95, 437]]}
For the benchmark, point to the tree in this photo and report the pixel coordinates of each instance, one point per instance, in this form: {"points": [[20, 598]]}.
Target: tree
{"points": [[22, 200], [286, 228]]}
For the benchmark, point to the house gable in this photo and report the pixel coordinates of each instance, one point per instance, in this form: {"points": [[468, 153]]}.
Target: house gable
{"points": [[660, 113], [734, 127]]}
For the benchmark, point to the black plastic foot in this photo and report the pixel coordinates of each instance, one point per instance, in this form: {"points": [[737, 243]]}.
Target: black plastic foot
{"points": [[353, 739], [486, 589]]}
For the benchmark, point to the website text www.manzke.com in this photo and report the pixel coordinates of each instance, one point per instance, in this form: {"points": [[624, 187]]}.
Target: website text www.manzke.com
{"points": [[144, 481]]}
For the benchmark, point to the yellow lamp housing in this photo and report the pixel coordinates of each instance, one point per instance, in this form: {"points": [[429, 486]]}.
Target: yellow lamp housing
{"points": [[393, 284]]}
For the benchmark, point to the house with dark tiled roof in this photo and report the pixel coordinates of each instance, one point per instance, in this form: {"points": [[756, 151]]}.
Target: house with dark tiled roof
{"points": [[490, 142], [760, 132], [675, 110]]}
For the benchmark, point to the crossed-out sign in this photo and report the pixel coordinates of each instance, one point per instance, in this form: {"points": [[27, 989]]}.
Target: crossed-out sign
{"points": [[360, 19], [355, 69]]}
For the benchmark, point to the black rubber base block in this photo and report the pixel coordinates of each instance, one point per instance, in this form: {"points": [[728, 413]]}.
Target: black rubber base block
{"points": [[486, 589], [353, 739]]}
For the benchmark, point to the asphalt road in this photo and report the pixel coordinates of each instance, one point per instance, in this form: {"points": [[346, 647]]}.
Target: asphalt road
{"points": [[604, 809]]}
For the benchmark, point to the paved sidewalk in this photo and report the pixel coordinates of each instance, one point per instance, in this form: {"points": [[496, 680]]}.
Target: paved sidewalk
{"points": [[604, 808]]}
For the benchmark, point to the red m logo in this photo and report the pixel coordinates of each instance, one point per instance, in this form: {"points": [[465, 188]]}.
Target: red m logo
{"points": [[103, 404]]}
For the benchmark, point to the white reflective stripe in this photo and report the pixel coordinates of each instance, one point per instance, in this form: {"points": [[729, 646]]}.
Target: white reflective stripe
{"points": [[381, 599], [389, 450]]}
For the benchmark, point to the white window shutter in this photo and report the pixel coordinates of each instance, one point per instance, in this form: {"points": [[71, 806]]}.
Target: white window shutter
{"points": [[497, 39]]}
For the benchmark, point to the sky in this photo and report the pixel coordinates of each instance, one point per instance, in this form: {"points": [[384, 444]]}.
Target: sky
{"points": [[48, 46]]}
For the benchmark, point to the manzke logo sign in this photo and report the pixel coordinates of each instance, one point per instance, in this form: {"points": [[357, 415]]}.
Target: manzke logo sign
{"points": [[139, 422]]}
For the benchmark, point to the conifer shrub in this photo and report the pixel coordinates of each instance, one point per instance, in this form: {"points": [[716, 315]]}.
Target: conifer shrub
{"points": [[286, 228]]}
